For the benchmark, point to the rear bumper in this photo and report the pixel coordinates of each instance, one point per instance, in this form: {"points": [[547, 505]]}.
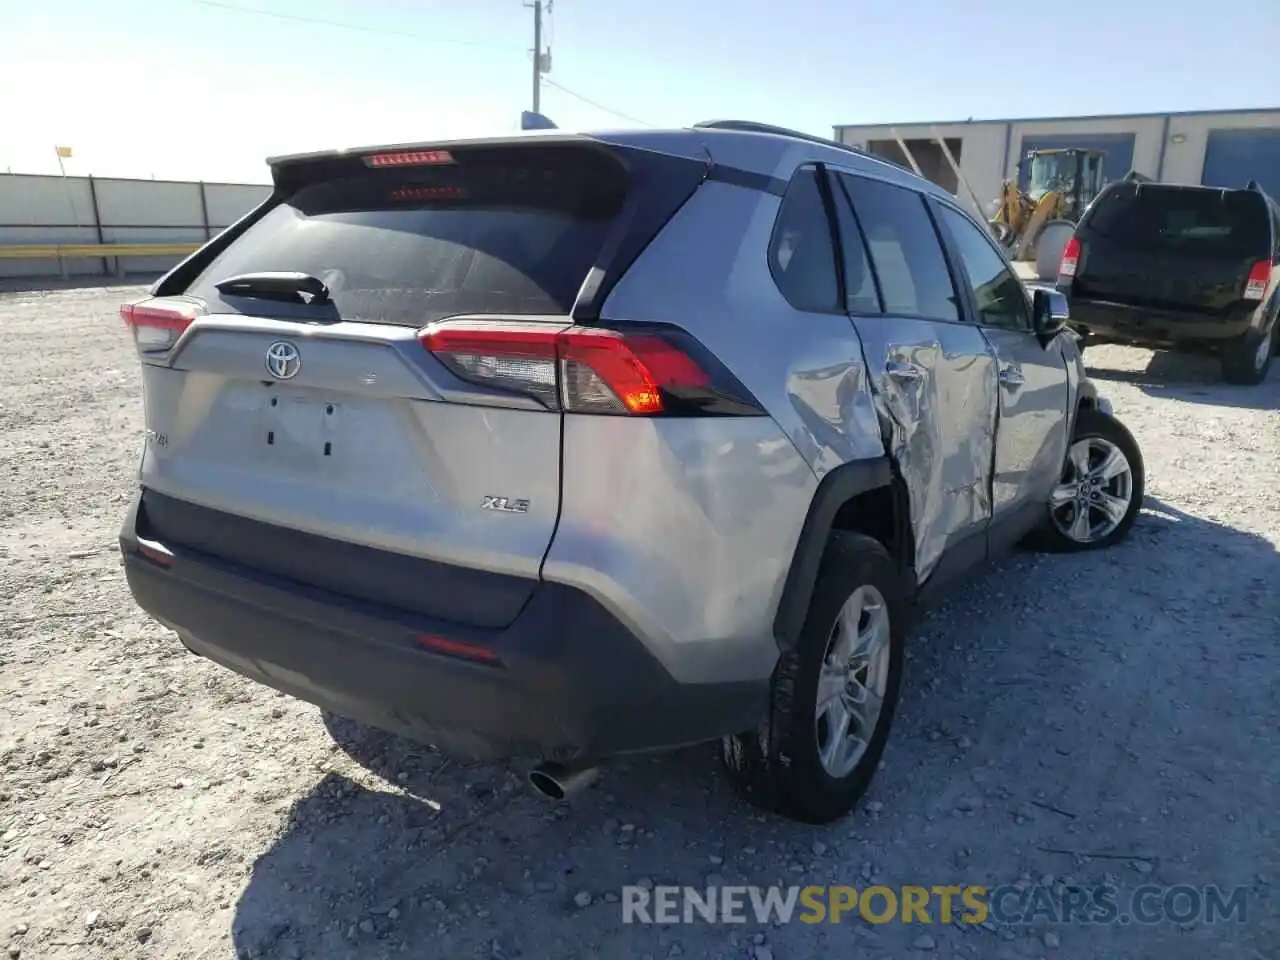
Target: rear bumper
{"points": [[1143, 326], [570, 681]]}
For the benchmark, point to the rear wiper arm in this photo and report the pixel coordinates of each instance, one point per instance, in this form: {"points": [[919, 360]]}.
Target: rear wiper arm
{"points": [[297, 287]]}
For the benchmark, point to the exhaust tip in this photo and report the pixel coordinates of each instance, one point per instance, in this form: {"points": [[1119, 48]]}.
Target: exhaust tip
{"points": [[546, 784], [557, 781]]}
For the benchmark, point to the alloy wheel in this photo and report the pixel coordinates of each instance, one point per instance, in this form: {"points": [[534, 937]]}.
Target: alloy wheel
{"points": [[854, 678], [1096, 490]]}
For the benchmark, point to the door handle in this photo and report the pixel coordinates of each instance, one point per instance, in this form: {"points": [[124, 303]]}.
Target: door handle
{"points": [[904, 371], [1012, 377]]}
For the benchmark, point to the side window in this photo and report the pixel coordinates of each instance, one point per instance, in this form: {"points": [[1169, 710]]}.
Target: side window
{"points": [[861, 295], [802, 256], [1002, 300], [904, 248]]}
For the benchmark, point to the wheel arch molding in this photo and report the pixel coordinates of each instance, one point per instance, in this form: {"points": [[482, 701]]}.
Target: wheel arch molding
{"points": [[854, 484]]}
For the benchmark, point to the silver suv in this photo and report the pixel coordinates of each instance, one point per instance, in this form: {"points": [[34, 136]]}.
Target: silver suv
{"points": [[564, 447]]}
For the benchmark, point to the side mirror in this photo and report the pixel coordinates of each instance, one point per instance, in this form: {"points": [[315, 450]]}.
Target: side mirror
{"points": [[1049, 314]]}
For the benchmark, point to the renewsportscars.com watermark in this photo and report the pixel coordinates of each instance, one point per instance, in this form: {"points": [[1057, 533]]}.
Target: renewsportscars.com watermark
{"points": [[1009, 904]]}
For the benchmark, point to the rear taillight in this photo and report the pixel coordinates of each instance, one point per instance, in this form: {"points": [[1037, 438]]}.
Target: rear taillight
{"points": [[1255, 287], [649, 372], [1070, 260], [157, 324], [603, 371], [409, 158]]}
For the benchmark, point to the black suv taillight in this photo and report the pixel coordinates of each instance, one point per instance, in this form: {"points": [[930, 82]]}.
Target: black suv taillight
{"points": [[1255, 287], [1070, 261]]}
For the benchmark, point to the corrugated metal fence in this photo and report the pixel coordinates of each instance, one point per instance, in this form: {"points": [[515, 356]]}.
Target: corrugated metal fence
{"points": [[37, 210]]}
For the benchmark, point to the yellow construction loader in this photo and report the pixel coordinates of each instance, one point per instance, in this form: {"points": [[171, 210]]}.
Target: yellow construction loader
{"points": [[1035, 223], [1060, 184]]}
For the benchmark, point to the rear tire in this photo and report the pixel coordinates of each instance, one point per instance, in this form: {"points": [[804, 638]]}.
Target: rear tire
{"points": [[795, 764], [1247, 360], [1100, 491]]}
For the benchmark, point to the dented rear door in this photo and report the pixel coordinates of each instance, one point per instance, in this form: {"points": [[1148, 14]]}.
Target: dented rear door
{"points": [[932, 373]]}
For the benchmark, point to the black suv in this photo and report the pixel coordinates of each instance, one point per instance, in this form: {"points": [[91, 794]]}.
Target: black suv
{"points": [[1193, 268]]}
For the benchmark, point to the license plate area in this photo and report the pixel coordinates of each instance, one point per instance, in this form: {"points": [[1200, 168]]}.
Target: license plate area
{"points": [[300, 427]]}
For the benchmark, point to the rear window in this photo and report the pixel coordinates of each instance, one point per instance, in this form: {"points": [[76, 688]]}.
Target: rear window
{"points": [[904, 248], [801, 254], [511, 231], [1228, 222]]}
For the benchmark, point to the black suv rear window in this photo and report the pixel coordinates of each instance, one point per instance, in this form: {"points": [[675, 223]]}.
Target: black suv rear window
{"points": [[1224, 221], [509, 230]]}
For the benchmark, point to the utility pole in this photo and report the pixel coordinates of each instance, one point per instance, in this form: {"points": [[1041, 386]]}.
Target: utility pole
{"points": [[539, 65]]}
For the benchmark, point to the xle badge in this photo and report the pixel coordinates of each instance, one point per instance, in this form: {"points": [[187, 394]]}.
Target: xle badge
{"points": [[503, 505]]}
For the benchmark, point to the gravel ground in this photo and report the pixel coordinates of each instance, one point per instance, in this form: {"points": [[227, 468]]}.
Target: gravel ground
{"points": [[1064, 719]]}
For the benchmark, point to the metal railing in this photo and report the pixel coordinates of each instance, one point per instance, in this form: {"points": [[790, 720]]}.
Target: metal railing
{"points": [[63, 253], [96, 237], [72, 251]]}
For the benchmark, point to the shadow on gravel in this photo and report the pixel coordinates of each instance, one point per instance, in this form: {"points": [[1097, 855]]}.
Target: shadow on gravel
{"points": [[1192, 378], [1060, 715], [454, 858]]}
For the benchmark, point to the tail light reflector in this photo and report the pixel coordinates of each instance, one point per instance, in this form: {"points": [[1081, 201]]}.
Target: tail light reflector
{"points": [[457, 648], [424, 194], [157, 324], [590, 370], [1255, 287], [155, 552], [1070, 260]]}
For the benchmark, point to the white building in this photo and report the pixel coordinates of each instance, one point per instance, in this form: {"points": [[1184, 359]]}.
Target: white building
{"points": [[1223, 147]]}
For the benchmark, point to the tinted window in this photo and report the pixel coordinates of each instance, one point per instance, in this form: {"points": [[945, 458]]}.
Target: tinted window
{"points": [[802, 256], [508, 232], [1001, 298], [904, 249], [861, 295], [1228, 222]]}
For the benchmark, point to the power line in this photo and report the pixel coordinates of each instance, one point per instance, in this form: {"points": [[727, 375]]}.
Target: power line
{"points": [[410, 35], [343, 25], [593, 103]]}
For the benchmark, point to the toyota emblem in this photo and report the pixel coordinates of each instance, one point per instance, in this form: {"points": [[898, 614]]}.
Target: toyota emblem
{"points": [[283, 360]]}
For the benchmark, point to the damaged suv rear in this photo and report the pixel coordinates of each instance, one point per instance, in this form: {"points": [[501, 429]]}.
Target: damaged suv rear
{"points": [[564, 447]]}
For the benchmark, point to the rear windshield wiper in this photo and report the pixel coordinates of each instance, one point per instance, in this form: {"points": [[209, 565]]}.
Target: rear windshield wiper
{"points": [[295, 287]]}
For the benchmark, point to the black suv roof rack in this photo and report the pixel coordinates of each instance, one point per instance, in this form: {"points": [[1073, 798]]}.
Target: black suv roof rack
{"points": [[751, 126]]}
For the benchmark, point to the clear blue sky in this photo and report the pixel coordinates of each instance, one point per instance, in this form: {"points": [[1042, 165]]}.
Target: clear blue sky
{"points": [[183, 88]]}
